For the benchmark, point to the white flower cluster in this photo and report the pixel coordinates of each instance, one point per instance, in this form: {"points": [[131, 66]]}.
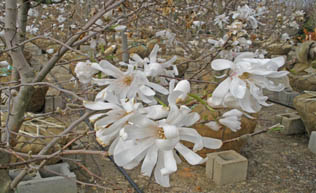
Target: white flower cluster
{"points": [[134, 125], [247, 77]]}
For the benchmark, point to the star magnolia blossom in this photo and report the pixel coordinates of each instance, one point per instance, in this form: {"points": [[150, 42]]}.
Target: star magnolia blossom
{"points": [[220, 19], [247, 77], [129, 84], [153, 66], [109, 124], [230, 119], [84, 71], [155, 142], [246, 13], [176, 94]]}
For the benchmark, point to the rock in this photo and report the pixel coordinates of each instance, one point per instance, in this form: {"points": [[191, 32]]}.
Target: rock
{"points": [[302, 82], [279, 48], [247, 127], [305, 105]]}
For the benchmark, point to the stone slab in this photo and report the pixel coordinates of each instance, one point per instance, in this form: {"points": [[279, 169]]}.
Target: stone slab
{"points": [[47, 182]]}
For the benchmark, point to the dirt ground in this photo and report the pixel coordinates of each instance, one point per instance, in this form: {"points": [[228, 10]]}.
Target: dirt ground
{"points": [[277, 164]]}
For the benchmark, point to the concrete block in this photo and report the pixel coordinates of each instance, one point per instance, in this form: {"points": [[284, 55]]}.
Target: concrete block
{"points": [[312, 142], [48, 182], [282, 97], [52, 103], [292, 123], [226, 167]]}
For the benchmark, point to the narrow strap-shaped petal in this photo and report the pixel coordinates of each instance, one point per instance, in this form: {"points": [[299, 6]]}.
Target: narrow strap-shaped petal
{"points": [[221, 64], [149, 161], [190, 156]]}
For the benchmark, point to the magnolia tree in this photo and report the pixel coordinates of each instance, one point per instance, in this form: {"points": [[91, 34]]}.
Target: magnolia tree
{"points": [[139, 109]]}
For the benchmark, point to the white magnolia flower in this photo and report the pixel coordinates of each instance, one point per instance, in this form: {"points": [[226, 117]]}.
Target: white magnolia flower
{"points": [[220, 20], [176, 94], [108, 125], [129, 84], [285, 37], [84, 71], [32, 29], [230, 119], [236, 27], [154, 67], [61, 19], [248, 76], [33, 13], [245, 13], [198, 23], [167, 35], [219, 43], [156, 142]]}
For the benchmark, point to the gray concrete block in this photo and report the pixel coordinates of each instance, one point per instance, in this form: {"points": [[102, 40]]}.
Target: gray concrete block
{"points": [[226, 167], [47, 182], [312, 142], [282, 97], [292, 123], [52, 103]]}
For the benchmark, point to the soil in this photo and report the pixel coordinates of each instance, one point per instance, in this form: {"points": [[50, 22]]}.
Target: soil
{"points": [[276, 163]]}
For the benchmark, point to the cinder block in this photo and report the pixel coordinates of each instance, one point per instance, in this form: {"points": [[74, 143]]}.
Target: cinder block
{"points": [[283, 97], [292, 123], [312, 142], [46, 182], [226, 167]]}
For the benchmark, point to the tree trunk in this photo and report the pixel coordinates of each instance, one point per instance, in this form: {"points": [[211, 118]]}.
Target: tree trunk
{"points": [[25, 71]]}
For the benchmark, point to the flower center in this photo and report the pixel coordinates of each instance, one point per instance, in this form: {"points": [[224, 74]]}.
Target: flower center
{"points": [[161, 133], [128, 80], [244, 76]]}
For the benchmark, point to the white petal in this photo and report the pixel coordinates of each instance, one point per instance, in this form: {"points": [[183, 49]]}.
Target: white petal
{"points": [[221, 64], [158, 88], [173, 96], [149, 161], [170, 131], [244, 55], [101, 82], [126, 153], [153, 53], [231, 122], [220, 91], [163, 180], [191, 135], [169, 163], [279, 61], [191, 157], [190, 119], [146, 91], [238, 87], [213, 125], [166, 144], [249, 103], [234, 112], [108, 68], [156, 111], [99, 105], [183, 86], [212, 143]]}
